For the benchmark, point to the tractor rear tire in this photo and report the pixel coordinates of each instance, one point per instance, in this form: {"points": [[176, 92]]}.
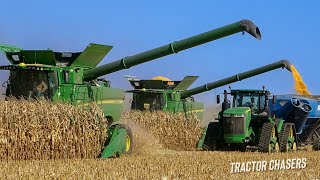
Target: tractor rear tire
{"points": [[268, 131], [288, 131], [316, 145], [129, 138]]}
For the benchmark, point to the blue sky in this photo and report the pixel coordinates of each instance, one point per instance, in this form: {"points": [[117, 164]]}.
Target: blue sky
{"points": [[289, 31]]}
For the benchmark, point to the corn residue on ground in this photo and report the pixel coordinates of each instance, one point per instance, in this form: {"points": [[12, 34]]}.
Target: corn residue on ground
{"points": [[300, 86]]}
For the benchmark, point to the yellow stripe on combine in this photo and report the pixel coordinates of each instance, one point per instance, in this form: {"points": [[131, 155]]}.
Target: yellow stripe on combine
{"points": [[195, 111], [104, 102]]}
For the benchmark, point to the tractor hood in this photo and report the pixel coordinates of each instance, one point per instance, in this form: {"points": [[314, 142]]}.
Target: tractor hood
{"points": [[237, 110]]}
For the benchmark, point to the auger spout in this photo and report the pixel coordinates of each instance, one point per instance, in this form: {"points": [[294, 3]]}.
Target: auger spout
{"points": [[238, 77], [174, 47]]}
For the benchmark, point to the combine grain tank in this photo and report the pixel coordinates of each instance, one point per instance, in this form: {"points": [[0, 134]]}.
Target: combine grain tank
{"points": [[72, 77]]}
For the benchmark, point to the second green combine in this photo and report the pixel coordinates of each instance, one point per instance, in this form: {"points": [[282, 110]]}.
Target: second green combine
{"points": [[166, 95]]}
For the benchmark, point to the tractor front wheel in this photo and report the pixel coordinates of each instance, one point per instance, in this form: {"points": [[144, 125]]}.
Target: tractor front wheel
{"points": [[212, 136]]}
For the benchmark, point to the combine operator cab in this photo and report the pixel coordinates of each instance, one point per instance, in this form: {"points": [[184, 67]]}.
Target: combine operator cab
{"points": [[148, 100], [153, 94], [33, 82]]}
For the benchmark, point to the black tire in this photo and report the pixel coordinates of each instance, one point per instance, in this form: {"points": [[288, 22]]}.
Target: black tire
{"points": [[129, 136], [288, 129], [268, 130], [311, 133], [316, 145], [316, 133], [212, 136]]}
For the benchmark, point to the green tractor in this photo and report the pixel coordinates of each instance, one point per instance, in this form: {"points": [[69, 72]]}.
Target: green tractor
{"points": [[249, 124], [73, 77]]}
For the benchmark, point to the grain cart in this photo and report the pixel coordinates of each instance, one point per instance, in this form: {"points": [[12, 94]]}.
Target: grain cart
{"points": [[74, 77], [166, 95], [309, 132]]}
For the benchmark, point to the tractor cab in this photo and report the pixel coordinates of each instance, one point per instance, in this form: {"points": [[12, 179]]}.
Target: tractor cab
{"points": [[256, 100]]}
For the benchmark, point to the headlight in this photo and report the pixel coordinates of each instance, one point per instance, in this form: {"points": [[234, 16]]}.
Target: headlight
{"points": [[226, 115], [238, 115]]}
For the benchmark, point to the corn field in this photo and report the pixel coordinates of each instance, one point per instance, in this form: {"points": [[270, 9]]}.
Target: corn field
{"points": [[45, 130], [54, 141]]}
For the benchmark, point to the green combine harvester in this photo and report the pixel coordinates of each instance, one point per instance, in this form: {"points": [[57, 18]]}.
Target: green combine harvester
{"points": [[163, 94], [74, 77]]}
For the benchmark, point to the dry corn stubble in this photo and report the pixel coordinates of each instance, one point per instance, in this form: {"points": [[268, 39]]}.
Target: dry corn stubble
{"points": [[46, 130], [174, 131], [173, 165]]}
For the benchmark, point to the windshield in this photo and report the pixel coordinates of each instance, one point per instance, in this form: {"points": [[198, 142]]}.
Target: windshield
{"points": [[147, 101], [32, 84], [255, 101]]}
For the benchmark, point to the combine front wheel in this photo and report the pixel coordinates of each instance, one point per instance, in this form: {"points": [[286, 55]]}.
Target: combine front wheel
{"points": [[128, 138]]}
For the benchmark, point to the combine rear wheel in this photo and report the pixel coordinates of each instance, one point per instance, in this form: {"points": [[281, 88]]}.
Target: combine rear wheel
{"points": [[288, 140], [268, 141], [128, 138]]}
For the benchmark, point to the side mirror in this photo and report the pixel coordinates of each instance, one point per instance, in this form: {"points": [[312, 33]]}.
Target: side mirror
{"points": [[218, 99], [273, 99]]}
